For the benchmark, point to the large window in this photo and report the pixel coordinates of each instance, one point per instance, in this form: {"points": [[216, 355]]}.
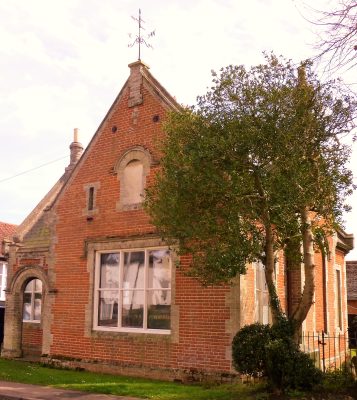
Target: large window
{"points": [[32, 301], [133, 290]]}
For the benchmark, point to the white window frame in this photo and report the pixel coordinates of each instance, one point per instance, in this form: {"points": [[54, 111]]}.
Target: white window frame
{"points": [[33, 296], [3, 280], [262, 315], [97, 290]]}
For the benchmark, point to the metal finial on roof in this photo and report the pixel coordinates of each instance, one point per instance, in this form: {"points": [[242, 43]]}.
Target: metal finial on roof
{"points": [[139, 39]]}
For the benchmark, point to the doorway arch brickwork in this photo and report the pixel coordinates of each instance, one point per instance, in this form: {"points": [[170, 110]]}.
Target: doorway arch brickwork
{"points": [[13, 346]]}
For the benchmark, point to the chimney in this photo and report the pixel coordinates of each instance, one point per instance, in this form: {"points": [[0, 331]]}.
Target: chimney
{"points": [[76, 151], [135, 83]]}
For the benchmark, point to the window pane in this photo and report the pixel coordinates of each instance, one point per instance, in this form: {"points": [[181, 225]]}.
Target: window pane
{"points": [[32, 300], [109, 270], [27, 307], [159, 269], [108, 308], [133, 308], [265, 308], [261, 295], [38, 285], [159, 309], [37, 309], [91, 198], [134, 270], [29, 286]]}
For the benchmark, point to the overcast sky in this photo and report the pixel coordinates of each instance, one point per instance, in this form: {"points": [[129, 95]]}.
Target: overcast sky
{"points": [[62, 63]]}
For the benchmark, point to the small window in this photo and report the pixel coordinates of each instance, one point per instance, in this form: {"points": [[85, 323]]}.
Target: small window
{"points": [[91, 198], [91, 192], [133, 291], [32, 301]]}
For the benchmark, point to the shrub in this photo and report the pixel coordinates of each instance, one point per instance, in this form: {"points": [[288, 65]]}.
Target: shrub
{"points": [[338, 379], [261, 350], [248, 349], [288, 367]]}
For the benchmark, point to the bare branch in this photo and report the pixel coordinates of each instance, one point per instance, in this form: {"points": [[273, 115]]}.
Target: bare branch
{"points": [[338, 39]]}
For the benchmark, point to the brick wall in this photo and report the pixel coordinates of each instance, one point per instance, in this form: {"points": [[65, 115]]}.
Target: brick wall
{"points": [[31, 339], [201, 339]]}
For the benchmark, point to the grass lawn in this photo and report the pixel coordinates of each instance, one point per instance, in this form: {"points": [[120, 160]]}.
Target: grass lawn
{"points": [[19, 371]]}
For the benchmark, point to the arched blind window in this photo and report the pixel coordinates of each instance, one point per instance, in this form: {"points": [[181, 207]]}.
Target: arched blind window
{"points": [[132, 168], [132, 188]]}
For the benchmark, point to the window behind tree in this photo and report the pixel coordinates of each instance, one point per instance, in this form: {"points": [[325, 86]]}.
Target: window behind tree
{"points": [[261, 295]]}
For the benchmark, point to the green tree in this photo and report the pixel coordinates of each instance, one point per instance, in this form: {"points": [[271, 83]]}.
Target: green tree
{"points": [[257, 167]]}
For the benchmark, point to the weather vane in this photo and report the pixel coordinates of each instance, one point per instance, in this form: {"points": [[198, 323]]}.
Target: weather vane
{"points": [[139, 39]]}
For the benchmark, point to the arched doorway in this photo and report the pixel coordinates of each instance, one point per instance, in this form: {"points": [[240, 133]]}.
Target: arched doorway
{"points": [[31, 318], [27, 318]]}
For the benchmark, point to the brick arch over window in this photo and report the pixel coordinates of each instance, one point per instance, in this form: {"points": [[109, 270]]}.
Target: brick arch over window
{"points": [[132, 169], [22, 277], [12, 346]]}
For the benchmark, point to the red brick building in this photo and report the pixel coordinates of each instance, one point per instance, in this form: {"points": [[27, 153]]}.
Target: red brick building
{"points": [[92, 283]]}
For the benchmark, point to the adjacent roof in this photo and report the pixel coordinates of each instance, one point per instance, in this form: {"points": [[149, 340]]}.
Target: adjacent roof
{"points": [[6, 232]]}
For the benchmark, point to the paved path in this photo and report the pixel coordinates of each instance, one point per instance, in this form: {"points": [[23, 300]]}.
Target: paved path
{"points": [[20, 391]]}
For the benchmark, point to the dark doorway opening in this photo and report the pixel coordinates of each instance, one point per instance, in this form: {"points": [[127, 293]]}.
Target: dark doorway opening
{"points": [[2, 318]]}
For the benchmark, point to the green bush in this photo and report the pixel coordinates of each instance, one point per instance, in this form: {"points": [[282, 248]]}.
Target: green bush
{"points": [[261, 350], [338, 379], [287, 367], [248, 349]]}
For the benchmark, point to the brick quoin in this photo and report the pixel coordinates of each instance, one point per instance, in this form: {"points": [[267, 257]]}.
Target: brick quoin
{"points": [[58, 246]]}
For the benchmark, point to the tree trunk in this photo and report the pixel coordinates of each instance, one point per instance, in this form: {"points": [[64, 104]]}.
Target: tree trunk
{"points": [[269, 274], [269, 263], [307, 296]]}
